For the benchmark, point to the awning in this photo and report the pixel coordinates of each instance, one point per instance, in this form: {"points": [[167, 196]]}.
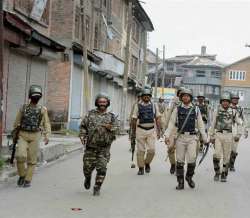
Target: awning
{"points": [[14, 22]]}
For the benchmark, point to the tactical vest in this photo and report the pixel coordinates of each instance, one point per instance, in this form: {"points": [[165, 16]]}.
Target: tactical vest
{"points": [[204, 111], [146, 113], [181, 117], [31, 118], [98, 135], [224, 120]]}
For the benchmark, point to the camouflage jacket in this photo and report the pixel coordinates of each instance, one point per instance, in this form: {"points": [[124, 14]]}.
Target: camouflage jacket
{"points": [[224, 119], [92, 128]]}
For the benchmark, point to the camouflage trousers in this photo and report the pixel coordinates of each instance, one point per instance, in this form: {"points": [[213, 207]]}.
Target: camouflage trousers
{"points": [[96, 158]]}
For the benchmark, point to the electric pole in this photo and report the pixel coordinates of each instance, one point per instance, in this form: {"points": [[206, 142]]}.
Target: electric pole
{"points": [[1, 72], [127, 64], [164, 73], [86, 89], [156, 73]]}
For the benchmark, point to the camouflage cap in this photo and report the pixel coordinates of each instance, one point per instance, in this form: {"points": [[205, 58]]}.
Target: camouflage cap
{"points": [[35, 90]]}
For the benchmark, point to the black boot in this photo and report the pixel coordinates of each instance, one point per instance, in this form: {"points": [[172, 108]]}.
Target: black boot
{"points": [[172, 169], [20, 181], [232, 161], [26, 184], [141, 171], [87, 182], [180, 176], [223, 177], [190, 174], [147, 168], [96, 191], [216, 169]]}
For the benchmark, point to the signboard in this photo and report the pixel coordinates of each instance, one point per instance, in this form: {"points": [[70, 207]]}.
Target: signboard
{"points": [[38, 9], [166, 93]]}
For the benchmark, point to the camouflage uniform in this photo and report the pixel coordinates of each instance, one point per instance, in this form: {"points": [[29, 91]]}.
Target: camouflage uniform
{"points": [[221, 130], [162, 110], [31, 120], [99, 140], [241, 129]]}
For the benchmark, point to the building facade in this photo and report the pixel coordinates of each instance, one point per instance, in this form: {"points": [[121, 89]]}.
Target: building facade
{"points": [[236, 78], [28, 49], [106, 24]]}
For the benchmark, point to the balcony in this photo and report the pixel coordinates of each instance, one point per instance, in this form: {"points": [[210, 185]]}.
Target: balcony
{"points": [[110, 64], [202, 81]]}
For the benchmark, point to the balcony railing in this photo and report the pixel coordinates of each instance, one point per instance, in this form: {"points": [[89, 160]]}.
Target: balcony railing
{"points": [[202, 81]]}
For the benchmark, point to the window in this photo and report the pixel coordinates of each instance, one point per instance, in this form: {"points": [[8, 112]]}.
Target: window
{"points": [[200, 73], [134, 64], [215, 74], [170, 67], [241, 94], [209, 90], [87, 23], [77, 23], [25, 8], [237, 75], [216, 90], [104, 3]]}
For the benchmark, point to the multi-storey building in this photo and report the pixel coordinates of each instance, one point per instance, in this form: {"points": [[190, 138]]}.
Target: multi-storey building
{"points": [[236, 78], [106, 32]]}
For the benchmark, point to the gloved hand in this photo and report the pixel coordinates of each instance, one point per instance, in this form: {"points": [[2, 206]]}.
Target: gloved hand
{"points": [[236, 139]]}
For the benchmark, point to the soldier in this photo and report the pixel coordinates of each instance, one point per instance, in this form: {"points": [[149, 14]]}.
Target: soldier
{"points": [[171, 146], [31, 120], [240, 129], [97, 131], [147, 115], [221, 133], [162, 110], [205, 116], [186, 117]]}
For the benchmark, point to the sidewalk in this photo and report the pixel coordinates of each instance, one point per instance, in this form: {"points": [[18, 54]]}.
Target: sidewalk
{"points": [[58, 147]]}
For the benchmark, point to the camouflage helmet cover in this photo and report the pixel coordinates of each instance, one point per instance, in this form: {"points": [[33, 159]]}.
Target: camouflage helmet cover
{"points": [[225, 96], [35, 90], [102, 95], [179, 89], [186, 91], [235, 95]]}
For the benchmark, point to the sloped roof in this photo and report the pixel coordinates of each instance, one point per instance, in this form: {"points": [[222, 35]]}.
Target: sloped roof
{"points": [[203, 62], [237, 62]]}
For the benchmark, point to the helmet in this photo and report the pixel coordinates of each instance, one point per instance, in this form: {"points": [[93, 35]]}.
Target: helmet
{"points": [[207, 100], [179, 90], [146, 92], [235, 95], [161, 98], [225, 96], [201, 95], [188, 92], [102, 95], [35, 90]]}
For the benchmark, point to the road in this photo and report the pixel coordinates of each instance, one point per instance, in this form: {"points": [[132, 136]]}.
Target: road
{"points": [[59, 188]]}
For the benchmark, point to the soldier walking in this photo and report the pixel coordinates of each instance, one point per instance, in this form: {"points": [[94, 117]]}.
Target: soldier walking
{"points": [[146, 115], [221, 135], [97, 131], [186, 117], [31, 120], [171, 147], [162, 110], [205, 116], [241, 129]]}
